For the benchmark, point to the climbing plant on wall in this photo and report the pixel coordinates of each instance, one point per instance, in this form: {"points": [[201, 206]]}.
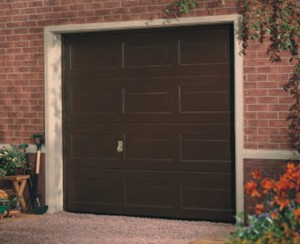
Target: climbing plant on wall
{"points": [[276, 22]]}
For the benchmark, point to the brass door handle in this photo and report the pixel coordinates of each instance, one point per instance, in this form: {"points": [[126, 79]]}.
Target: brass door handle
{"points": [[120, 146]]}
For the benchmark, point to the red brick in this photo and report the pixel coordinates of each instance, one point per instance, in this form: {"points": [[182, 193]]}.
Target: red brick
{"points": [[249, 85], [256, 77], [267, 84], [129, 17], [267, 100], [250, 115], [258, 138], [103, 12], [257, 107], [256, 92], [278, 107], [278, 123], [277, 92], [93, 6], [285, 146], [120, 11], [284, 131], [249, 70], [112, 18], [278, 77], [268, 146], [267, 69], [283, 114], [111, 4], [285, 69], [251, 145], [134, 3], [257, 62], [138, 10], [251, 130], [268, 131], [147, 2], [279, 138], [258, 123], [250, 100], [225, 11], [267, 115]]}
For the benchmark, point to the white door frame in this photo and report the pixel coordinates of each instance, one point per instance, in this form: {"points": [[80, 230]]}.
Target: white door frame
{"points": [[53, 95]]}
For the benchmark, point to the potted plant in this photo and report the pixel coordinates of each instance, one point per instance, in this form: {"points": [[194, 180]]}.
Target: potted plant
{"points": [[13, 160]]}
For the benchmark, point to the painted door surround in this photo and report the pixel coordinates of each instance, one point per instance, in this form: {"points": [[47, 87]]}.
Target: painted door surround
{"points": [[53, 96]]}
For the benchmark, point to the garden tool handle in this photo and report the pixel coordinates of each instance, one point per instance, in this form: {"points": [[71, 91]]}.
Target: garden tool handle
{"points": [[38, 162]]}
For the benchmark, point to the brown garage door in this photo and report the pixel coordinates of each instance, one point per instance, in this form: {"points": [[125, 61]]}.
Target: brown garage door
{"points": [[148, 123]]}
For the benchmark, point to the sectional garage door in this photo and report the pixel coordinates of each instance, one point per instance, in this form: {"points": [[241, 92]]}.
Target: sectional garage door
{"points": [[148, 123]]}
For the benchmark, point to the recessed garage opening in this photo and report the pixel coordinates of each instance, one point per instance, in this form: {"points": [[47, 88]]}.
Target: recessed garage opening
{"points": [[148, 122]]}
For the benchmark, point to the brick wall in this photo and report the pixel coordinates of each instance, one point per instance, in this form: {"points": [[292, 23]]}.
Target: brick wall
{"points": [[266, 103]]}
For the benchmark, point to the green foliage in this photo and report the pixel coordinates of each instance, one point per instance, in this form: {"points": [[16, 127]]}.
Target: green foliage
{"points": [[12, 160], [179, 7]]}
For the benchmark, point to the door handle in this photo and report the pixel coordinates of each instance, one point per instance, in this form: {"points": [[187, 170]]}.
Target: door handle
{"points": [[120, 146]]}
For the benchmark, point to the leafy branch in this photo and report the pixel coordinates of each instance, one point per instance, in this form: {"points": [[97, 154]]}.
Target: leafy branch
{"points": [[179, 7]]}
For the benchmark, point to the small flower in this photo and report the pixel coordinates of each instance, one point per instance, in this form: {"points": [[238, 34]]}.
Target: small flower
{"points": [[256, 174], [274, 215], [267, 185], [259, 208], [282, 202], [251, 189]]}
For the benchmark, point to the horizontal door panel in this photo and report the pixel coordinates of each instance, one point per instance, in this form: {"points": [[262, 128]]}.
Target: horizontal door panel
{"points": [[223, 68], [185, 117], [86, 57], [98, 146], [177, 147], [83, 102], [166, 194], [149, 147], [221, 130]]}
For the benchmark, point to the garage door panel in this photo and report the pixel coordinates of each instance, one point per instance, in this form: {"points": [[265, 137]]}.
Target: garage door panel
{"points": [[95, 102], [94, 187], [154, 71], [149, 193], [166, 118], [104, 191], [212, 193], [219, 129], [87, 56], [149, 147], [98, 146], [143, 192], [198, 52], [198, 99], [217, 199], [148, 100], [141, 54], [204, 147]]}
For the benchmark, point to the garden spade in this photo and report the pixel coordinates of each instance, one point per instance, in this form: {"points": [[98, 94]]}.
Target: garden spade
{"points": [[38, 209]]}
